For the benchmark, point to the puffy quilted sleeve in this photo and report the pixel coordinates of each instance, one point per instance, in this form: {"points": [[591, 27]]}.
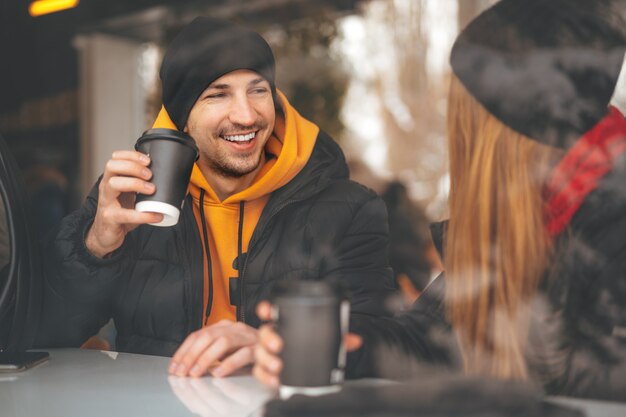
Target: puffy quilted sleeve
{"points": [[78, 286]]}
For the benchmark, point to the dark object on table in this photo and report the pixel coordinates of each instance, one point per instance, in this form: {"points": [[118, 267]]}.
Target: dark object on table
{"points": [[430, 396], [21, 361], [312, 318]]}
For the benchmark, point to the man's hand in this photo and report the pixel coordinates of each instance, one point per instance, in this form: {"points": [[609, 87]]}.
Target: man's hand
{"points": [[232, 343], [125, 174], [267, 363]]}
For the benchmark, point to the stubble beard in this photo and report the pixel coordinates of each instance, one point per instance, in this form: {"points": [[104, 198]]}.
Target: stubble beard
{"points": [[236, 166], [222, 166]]}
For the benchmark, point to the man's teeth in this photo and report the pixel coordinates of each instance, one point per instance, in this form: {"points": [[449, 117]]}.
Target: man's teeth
{"points": [[240, 138]]}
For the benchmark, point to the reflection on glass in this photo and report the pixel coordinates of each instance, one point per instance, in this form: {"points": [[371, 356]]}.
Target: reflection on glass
{"points": [[5, 243], [220, 397]]}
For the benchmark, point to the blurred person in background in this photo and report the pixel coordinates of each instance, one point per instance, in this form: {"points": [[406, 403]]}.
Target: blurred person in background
{"points": [[535, 248], [412, 254], [269, 200], [46, 188]]}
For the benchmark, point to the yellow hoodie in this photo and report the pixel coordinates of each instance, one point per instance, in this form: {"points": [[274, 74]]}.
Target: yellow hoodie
{"points": [[290, 145]]}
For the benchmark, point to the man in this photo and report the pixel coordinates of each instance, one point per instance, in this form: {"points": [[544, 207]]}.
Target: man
{"points": [[269, 199]]}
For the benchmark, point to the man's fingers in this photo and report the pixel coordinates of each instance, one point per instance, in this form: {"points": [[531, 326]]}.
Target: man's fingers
{"points": [[176, 362], [131, 156], [269, 362], [130, 184], [233, 337], [239, 359], [202, 349], [265, 377], [130, 216], [269, 339], [198, 365], [268, 365], [126, 168], [124, 176], [207, 347], [264, 310], [353, 342]]}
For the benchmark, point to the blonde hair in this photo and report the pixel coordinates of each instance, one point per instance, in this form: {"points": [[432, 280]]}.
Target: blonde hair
{"points": [[497, 247]]}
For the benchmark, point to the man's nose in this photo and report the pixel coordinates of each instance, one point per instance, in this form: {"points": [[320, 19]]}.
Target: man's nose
{"points": [[242, 112]]}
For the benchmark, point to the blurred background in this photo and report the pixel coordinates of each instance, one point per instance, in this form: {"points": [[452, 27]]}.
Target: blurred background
{"points": [[78, 83]]}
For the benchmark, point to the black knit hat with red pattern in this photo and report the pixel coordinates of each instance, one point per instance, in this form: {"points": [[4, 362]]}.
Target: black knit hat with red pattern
{"points": [[545, 68], [203, 51]]}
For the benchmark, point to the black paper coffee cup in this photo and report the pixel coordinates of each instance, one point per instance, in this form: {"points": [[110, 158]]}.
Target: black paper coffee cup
{"points": [[172, 155], [312, 318]]}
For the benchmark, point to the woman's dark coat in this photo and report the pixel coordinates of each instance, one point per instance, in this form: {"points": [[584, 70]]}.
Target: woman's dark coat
{"points": [[577, 342]]}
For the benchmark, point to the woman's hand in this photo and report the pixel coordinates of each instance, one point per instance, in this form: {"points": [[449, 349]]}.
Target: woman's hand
{"points": [[267, 363]]}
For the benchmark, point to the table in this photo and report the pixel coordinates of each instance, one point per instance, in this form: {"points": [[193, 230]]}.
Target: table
{"points": [[594, 408], [76, 382]]}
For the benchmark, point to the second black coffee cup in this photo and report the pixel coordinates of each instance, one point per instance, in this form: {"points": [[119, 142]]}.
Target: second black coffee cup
{"points": [[312, 318], [172, 155]]}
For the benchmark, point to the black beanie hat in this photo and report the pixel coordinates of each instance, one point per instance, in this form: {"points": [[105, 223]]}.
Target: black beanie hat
{"points": [[545, 68], [202, 52]]}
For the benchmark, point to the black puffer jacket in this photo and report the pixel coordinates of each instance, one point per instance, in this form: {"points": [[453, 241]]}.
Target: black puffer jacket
{"points": [[577, 341], [319, 226]]}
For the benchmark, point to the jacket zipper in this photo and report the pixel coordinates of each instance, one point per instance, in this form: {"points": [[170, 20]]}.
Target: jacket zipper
{"points": [[188, 272], [239, 252], [208, 258]]}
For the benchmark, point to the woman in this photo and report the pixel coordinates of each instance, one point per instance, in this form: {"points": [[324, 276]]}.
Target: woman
{"points": [[535, 248]]}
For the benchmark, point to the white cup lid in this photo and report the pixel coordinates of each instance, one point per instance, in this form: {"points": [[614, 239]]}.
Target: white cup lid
{"points": [[170, 213], [286, 391]]}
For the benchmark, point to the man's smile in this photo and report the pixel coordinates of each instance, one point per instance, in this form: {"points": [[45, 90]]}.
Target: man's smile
{"points": [[240, 137]]}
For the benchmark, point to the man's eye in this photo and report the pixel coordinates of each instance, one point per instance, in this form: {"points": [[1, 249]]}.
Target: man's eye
{"points": [[216, 95], [259, 90]]}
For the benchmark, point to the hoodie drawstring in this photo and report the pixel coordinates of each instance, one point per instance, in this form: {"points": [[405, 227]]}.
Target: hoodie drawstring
{"points": [[240, 233], [234, 284], [207, 251]]}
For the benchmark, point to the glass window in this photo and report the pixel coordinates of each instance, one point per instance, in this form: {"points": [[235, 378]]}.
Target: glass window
{"points": [[5, 243]]}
